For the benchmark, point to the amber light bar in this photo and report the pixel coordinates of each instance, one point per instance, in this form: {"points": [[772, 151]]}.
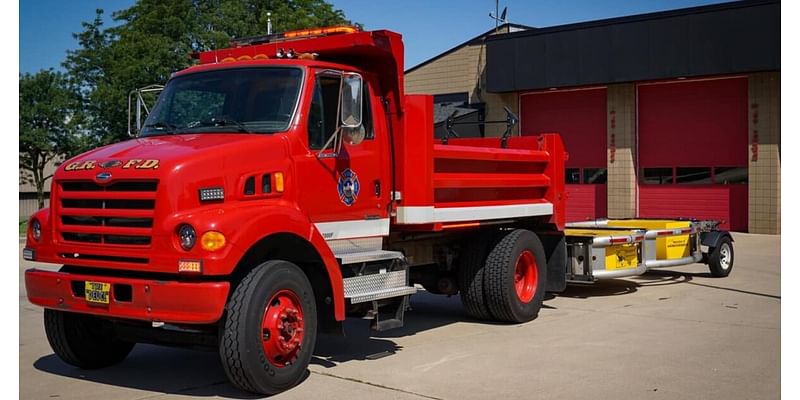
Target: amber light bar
{"points": [[290, 35]]}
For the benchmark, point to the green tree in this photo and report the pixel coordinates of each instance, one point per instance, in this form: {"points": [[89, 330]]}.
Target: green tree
{"points": [[49, 122], [154, 38]]}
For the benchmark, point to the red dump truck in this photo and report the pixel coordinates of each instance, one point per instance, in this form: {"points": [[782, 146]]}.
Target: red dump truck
{"points": [[279, 186]]}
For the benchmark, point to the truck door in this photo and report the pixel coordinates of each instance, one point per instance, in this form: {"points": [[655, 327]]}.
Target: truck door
{"points": [[344, 194]]}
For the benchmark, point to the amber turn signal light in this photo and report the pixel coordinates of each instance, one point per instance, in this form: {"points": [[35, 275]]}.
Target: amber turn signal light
{"points": [[212, 241]]}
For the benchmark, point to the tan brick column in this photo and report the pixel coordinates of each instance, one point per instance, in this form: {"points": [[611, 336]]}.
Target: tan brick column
{"points": [[764, 153], [621, 152]]}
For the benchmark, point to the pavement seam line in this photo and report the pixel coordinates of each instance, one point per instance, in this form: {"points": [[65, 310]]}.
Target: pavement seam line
{"points": [[674, 318], [376, 385]]}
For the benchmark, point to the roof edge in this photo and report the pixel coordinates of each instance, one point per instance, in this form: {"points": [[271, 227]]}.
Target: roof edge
{"points": [[728, 5], [468, 42]]}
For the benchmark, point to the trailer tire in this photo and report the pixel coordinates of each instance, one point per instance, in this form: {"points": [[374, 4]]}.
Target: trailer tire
{"points": [[269, 329], [720, 259], [84, 341], [516, 277], [471, 264]]}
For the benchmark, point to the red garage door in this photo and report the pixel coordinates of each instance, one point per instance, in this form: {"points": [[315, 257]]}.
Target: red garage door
{"points": [[580, 117], [693, 150]]}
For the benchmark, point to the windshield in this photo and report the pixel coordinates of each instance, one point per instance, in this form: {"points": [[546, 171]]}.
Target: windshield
{"points": [[259, 100]]}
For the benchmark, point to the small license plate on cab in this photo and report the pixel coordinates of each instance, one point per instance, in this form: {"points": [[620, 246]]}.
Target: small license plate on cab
{"points": [[98, 292]]}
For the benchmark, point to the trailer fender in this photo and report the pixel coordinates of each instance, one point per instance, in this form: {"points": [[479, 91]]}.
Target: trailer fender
{"points": [[712, 239]]}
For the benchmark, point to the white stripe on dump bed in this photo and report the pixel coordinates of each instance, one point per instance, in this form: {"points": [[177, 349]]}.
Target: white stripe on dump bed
{"points": [[427, 215]]}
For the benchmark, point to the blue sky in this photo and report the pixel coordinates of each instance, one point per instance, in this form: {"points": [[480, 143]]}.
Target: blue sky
{"points": [[428, 27]]}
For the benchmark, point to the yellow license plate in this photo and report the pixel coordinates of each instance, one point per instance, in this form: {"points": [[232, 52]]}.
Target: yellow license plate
{"points": [[98, 292]]}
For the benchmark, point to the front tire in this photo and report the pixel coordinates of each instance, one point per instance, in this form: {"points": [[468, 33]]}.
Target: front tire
{"points": [[515, 277], [720, 259], [84, 341], [270, 329]]}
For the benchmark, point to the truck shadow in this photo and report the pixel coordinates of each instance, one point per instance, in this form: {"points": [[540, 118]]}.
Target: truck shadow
{"points": [[199, 373], [157, 369]]}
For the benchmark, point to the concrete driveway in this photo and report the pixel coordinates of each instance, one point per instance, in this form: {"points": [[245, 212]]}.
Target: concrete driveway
{"points": [[671, 334]]}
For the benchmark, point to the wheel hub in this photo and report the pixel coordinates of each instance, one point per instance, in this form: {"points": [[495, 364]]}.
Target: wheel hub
{"points": [[526, 276], [724, 256], [282, 328]]}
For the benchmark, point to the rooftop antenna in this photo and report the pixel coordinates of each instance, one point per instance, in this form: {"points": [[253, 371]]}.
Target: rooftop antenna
{"points": [[501, 18], [269, 23]]}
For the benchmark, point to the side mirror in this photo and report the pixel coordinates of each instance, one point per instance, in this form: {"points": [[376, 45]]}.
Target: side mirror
{"points": [[351, 100]]}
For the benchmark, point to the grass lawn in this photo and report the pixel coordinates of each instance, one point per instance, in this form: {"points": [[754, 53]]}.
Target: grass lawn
{"points": [[23, 226]]}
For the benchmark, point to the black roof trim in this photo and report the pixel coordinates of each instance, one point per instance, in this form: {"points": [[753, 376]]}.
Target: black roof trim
{"points": [[731, 5], [468, 42]]}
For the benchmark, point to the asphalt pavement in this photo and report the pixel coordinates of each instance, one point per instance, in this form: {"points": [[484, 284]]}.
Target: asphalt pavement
{"points": [[669, 334]]}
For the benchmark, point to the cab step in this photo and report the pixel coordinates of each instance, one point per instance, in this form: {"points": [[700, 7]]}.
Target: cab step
{"points": [[383, 285], [388, 315]]}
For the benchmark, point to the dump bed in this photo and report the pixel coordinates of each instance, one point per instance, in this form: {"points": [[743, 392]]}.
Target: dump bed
{"points": [[474, 180]]}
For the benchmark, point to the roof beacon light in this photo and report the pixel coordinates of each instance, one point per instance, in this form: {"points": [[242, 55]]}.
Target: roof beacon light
{"points": [[294, 35]]}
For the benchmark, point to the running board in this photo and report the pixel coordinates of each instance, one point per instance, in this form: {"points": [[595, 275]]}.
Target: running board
{"points": [[364, 288]]}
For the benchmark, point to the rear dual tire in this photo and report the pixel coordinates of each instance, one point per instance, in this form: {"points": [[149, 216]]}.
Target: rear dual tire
{"points": [[505, 279]]}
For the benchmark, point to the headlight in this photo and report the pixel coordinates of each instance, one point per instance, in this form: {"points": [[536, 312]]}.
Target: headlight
{"points": [[187, 236], [36, 229]]}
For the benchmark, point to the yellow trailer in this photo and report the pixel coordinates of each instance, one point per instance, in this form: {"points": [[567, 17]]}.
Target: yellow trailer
{"points": [[604, 253], [673, 242]]}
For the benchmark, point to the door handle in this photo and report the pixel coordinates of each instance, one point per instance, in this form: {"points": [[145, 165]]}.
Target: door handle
{"points": [[377, 188]]}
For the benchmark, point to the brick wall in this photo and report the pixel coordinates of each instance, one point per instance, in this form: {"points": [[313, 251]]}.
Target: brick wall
{"points": [[621, 131], [764, 145]]}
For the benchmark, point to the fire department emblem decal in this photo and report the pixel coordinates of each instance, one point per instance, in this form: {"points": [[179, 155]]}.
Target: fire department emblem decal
{"points": [[348, 187]]}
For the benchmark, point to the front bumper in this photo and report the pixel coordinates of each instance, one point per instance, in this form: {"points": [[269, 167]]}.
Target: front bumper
{"points": [[148, 300]]}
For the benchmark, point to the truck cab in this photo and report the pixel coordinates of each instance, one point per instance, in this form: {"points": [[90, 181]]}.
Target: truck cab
{"points": [[278, 186]]}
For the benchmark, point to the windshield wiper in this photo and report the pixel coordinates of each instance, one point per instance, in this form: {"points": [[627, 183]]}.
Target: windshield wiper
{"points": [[240, 127], [161, 126]]}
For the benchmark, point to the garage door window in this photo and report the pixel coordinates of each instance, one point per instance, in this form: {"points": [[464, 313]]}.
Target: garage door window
{"points": [[656, 176], [572, 175], [693, 176], [730, 175], [595, 176]]}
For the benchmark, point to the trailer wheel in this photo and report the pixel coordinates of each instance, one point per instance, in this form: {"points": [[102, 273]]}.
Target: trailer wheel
{"points": [[515, 277], [84, 341], [269, 329], [720, 259], [470, 278]]}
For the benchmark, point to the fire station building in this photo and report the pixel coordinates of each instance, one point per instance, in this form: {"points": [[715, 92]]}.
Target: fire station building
{"points": [[668, 114]]}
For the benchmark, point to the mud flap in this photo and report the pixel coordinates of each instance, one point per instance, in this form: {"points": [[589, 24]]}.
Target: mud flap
{"points": [[555, 249]]}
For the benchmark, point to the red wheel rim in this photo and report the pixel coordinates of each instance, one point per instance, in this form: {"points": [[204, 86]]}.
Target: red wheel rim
{"points": [[282, 328], [526, 276]]}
